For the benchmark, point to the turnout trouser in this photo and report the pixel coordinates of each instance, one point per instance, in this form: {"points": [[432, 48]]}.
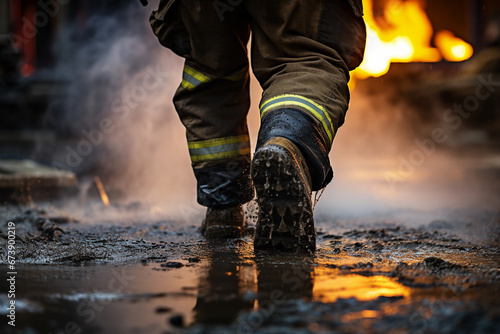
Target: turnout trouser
{"points": [[302, 51]]}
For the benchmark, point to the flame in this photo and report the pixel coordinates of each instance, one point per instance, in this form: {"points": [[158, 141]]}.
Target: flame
{"points": [[452, 48], [403, 34], [102, 192]]}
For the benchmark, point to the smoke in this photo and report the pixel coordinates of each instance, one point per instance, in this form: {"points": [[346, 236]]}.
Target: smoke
{"points": [[398, 152], [118, 108]]}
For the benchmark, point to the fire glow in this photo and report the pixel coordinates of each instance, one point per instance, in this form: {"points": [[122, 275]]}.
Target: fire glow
{"points": [[102, 192], [404, 34]]}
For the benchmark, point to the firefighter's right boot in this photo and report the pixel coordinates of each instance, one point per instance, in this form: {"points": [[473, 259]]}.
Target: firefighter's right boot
{"points": [[283, 186]]}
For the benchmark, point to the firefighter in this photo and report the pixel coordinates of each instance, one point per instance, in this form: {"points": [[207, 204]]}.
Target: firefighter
{"points": [[301, 53]]}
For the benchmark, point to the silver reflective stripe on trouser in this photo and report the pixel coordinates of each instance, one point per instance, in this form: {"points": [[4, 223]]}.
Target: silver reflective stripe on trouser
{"points": [[302, 103], [220, 148], [192, 78]]}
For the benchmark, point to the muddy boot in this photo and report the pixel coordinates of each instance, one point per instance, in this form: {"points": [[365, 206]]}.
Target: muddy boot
{"points": [[282, 182], [224, 223]]}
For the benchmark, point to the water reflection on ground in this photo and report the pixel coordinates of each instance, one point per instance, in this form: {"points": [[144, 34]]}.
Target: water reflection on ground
{"points": [[229, 288]]}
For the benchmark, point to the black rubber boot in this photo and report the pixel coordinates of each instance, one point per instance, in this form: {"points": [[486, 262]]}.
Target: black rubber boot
{"points": [[283, 186]]}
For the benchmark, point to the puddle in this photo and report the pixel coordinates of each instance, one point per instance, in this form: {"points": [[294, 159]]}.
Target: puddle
{"points": [[230, 287], [104, 299], [162, 277]]}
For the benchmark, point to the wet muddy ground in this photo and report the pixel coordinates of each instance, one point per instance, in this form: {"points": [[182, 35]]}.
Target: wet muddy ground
{"points": [[377, 274]]}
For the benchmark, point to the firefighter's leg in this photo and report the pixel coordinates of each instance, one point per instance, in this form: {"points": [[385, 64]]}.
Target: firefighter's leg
{"points": [[302, 51], [214, 114], [213, 98]]}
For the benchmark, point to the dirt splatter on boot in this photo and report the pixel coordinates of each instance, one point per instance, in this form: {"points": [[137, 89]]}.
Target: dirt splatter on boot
{"points": [[282, 182]]}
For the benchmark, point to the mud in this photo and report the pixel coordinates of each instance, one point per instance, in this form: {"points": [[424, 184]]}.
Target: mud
{"points": [[406, 274]]}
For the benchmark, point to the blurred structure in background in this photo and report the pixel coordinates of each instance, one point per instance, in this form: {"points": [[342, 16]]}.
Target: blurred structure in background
{"points": [[30, 49]]}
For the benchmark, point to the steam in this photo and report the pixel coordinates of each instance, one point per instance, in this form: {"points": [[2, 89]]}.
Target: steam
{"points": [[385, 160], [119, 99]]}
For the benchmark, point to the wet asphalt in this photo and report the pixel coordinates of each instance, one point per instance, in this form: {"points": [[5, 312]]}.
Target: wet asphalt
{"points": [[368, 275]]}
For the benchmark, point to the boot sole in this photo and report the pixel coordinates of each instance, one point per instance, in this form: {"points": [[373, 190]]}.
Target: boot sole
{"points": [[285, 218]]}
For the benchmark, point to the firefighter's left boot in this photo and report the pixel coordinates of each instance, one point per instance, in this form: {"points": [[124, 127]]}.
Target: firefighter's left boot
{"points": [[224, 223]]}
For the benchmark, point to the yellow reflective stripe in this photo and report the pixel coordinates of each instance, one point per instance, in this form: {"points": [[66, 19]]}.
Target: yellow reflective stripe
{"points": [[192, 72], [221, 155], [218, 141], [219, 148], [312, 111], [186, 84], [192, 78], [297, 100]]}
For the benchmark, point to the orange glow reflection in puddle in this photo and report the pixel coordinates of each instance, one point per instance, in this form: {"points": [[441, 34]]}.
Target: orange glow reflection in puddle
{"points": [[328, 287]]}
